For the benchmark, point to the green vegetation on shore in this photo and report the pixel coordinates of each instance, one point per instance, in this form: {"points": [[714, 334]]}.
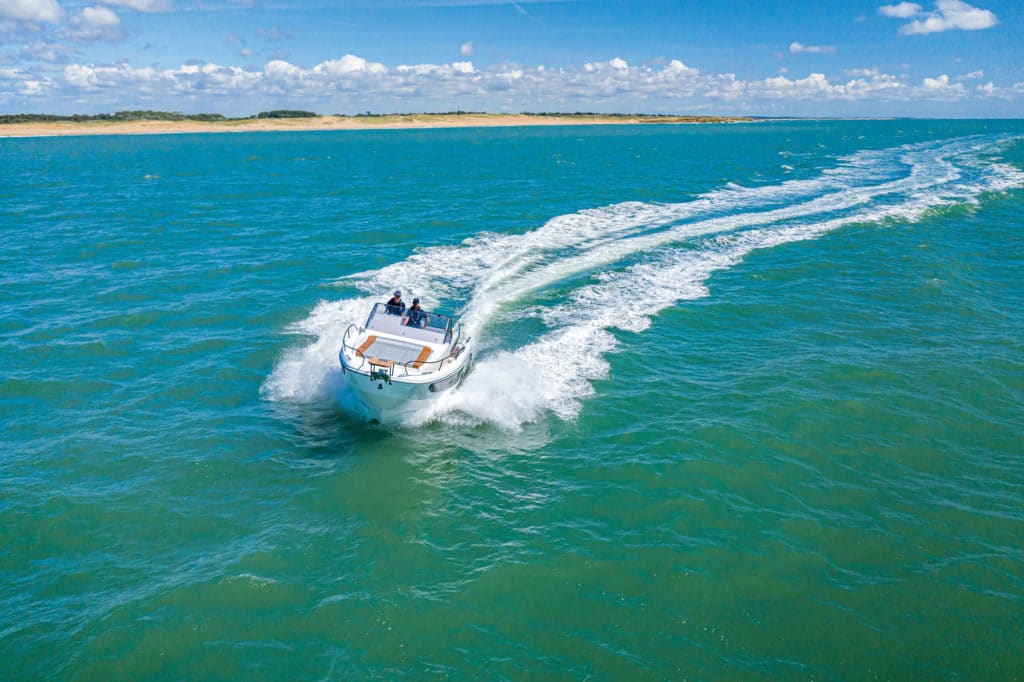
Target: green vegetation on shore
{"points": [[287, 113], [116, 117], [146, 115]]}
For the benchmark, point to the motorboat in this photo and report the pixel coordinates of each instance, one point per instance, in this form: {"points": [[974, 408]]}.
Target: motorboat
{"points": [[400, 360]]}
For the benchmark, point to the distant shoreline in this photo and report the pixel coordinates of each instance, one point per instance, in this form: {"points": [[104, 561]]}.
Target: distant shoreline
{"points": [[384, 122]]}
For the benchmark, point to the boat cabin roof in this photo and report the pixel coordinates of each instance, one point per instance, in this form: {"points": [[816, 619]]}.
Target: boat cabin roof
{"points": [[389, 320]]}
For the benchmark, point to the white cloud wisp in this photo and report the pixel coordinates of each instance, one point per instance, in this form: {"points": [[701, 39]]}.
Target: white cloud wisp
{"points": [[31, 11], [903, 10], [949, 15], [94, 23], [796, 48]]}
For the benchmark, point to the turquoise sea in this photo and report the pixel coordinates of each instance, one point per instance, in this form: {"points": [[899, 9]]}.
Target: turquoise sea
{"points": [[747, 404]]}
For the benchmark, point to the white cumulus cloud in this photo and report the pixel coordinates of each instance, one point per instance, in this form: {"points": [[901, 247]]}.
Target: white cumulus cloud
{"points": [[903, 10], [31, 10], [942, 87], [949, 15], [466, 49], [677, 67], [95, 23], [348, 65]]}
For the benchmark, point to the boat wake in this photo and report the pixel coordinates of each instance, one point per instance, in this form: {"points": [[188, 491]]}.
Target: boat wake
{"points": [[544, 304]]}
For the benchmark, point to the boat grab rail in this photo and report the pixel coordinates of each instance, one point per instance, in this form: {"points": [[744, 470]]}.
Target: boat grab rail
{"points": [[406, 366], [452, 356], [355, 351], [456, 350]]}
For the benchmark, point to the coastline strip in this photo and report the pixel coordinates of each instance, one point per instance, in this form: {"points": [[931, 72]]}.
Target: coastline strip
{"points": [[383, 122]]}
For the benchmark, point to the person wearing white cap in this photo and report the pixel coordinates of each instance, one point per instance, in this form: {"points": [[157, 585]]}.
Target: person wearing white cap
{"points": [[395, 306]]}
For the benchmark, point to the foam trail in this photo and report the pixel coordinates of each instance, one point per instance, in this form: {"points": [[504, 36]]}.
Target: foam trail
{"points": [[926, 172], [620, 265], [490, 258], [479, 258]]}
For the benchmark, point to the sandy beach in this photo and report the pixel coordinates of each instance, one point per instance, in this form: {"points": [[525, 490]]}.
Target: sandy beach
{"points": [[393, 121]]}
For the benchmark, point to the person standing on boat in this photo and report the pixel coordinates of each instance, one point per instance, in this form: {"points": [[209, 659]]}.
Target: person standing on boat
{"points": [[416, 316], [395, 306]]}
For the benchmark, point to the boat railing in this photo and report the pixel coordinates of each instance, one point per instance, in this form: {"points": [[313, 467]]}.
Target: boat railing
{"points": [[437, 365], [410, 367], [346, 345]]}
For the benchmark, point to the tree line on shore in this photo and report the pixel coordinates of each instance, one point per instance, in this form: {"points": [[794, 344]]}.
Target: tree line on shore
{"points": [[146, 115]]}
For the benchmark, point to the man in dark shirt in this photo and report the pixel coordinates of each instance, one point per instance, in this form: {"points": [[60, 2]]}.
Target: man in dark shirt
{"points": [[395, 306]]}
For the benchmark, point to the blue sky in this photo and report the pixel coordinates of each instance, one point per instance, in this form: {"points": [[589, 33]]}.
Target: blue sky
{"points": [[944, 58]]}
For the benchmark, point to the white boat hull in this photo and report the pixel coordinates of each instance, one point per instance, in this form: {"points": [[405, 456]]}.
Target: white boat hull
{"points": [[389, 401]]}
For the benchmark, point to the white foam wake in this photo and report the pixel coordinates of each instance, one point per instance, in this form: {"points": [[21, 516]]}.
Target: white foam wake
{"points": [[617, 266]]}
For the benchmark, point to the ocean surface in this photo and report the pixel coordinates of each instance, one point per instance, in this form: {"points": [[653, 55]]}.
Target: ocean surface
{"points": [[748, 403]]}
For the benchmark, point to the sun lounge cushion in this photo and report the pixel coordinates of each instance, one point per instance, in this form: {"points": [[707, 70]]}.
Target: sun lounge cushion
{"points": [[422, 357], [366, 344]]}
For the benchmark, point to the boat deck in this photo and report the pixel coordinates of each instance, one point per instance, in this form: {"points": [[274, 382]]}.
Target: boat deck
{"points": [[377, 350]]}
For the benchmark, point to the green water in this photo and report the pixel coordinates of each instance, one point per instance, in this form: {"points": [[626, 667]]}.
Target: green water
{"points": [[746, 405]]}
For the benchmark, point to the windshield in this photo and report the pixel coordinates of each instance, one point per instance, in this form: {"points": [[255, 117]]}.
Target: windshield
{"points": [[423, 325]]}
